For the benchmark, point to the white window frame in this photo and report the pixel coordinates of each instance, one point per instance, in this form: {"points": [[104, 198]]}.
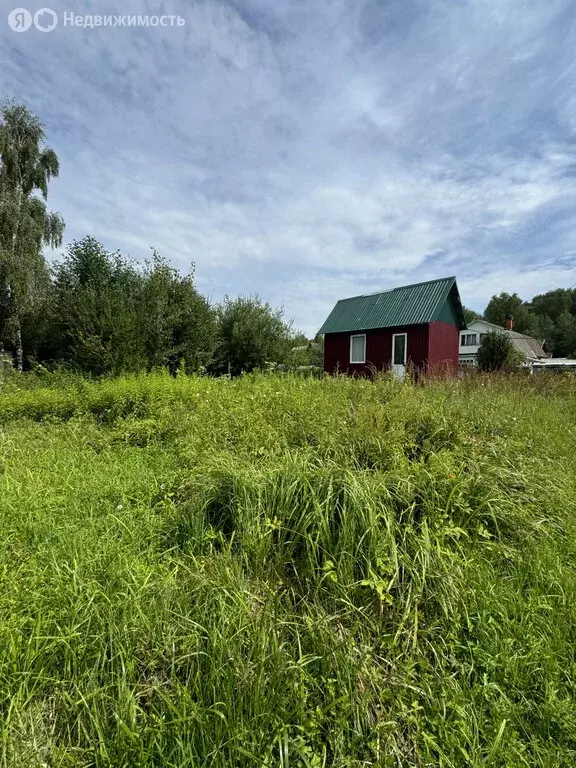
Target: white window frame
{"points": [[394, 335], [358, 336], [467, 337]]}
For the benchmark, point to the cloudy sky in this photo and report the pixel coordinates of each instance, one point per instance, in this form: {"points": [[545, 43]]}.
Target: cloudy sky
{"points": [[308, 150]]}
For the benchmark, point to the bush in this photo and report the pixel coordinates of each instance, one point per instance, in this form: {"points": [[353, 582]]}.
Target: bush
{"points": [[250, 335], [496, 352]]}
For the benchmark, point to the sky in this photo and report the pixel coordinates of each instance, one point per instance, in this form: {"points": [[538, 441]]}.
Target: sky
{"points": [[309, 150]]}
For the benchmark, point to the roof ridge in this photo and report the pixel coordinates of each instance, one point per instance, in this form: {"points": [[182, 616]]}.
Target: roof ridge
{"points": [[398, 288]]}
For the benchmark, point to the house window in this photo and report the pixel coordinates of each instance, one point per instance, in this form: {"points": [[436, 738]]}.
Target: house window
{"points": [[468, 340], [358, 348]]}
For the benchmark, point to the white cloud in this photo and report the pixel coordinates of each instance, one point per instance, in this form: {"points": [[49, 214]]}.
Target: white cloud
{"points": [[311, 151]]}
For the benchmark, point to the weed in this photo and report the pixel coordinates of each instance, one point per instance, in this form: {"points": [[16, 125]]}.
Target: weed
{"points": [[287, 571]]}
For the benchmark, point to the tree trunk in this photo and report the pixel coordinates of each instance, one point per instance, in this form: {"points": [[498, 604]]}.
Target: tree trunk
{"points": [[18, 326], [15, 317], [19, 349]]}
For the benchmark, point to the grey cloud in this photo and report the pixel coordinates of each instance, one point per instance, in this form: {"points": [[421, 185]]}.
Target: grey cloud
{"points": [[306, 151]]}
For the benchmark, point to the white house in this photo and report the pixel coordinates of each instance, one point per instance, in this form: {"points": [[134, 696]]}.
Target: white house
{"points": [[530, 349]]}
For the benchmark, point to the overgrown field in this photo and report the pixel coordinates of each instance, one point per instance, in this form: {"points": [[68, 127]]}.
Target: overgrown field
{"points": [[284, 572]]}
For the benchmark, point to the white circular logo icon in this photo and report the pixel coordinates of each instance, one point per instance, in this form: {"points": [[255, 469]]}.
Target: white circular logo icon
{"points": [[19, 20], [45, 20]]}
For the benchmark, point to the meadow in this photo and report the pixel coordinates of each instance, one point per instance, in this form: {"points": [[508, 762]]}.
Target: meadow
{"points": [[287, 572]]}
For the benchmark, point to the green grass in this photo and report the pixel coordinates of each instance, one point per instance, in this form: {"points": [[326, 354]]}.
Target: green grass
{"points": [[278, 571]]}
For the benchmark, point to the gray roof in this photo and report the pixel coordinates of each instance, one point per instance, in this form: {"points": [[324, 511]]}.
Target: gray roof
{"points": [[527, 346]]}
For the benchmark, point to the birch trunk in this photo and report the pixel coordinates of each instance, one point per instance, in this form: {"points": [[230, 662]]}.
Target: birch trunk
{"points": [[19, 348], [16, 316]]}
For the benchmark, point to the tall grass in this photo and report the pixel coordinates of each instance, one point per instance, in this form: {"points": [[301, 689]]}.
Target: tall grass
{"points": [[277, 571]]}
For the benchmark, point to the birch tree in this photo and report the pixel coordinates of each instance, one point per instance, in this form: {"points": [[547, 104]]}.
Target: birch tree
{"points": [[26, 225]]}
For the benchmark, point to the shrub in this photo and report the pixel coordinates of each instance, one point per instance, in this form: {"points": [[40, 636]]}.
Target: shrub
{"points": [[496, 352]]}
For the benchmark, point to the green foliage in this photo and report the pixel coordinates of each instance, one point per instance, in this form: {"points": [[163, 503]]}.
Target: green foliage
{"points": [[274, 571], [496, 352], [110, 317], [176, 323], [250, 335], [554, 303], [542, 327], [565, 335], [470, 315], [507, 304], [304, 353], [549, 317], [26, 226], [95, 319]]}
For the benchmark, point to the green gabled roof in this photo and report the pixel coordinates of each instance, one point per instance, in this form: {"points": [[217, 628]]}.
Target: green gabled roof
{"points": [[408, 305]]}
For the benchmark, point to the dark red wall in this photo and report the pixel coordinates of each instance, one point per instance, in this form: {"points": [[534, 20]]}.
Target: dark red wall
{"points": [[443, 346], [378, 349]]}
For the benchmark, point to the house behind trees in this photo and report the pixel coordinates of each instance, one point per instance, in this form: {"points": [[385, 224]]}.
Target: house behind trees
{"points": [[529, 349]]}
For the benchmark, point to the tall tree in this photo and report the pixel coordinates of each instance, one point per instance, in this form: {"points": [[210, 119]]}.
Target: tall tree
{"points": [[111, 316], [26, 226], [542, 327], [565, 335], [553, 303], [508, 304], [95, 320]]}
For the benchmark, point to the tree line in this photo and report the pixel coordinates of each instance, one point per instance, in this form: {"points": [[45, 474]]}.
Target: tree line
{"points": [[97, 311], [549, 317]]}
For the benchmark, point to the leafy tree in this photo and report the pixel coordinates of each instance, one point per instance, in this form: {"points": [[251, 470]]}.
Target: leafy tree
{"points": [[176, 323], [26, 226], [305, 352], [250, 334], [470, 315], [95, 323], [565, 335], [36, 320], [508, 304], [496, 352], [109, 316], [553, 304], [542, 327]]}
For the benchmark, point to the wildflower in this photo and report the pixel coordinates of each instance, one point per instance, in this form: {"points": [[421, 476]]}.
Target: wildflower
{"points": [[119, 507]]}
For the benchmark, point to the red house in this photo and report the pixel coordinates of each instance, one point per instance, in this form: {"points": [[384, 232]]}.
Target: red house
{"points": [[415, 324]]}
